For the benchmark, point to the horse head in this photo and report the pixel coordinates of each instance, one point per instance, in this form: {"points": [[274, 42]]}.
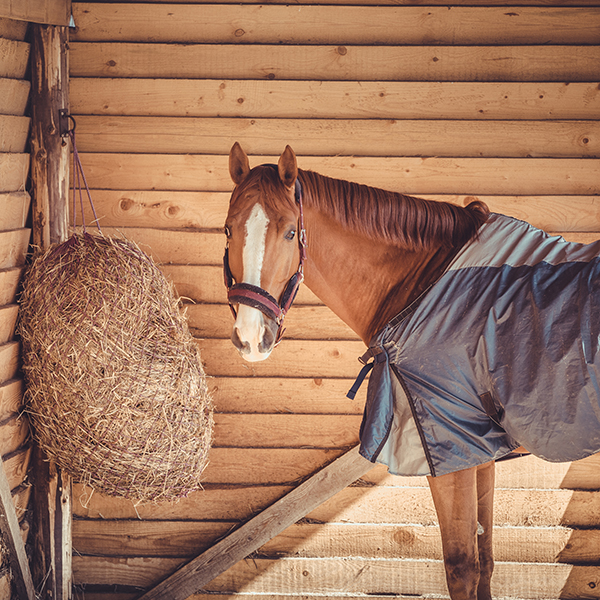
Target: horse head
{"points": [[265, 250]]}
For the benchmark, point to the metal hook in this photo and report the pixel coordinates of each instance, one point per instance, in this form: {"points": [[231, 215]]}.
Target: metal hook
{"points": [[64, 122]]}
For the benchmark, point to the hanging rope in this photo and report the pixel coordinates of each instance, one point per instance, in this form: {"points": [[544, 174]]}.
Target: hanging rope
{"points": [[78, 179]]}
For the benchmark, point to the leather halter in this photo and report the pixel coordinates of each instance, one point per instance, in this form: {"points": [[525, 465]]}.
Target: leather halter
{"points": [[256, 297]]}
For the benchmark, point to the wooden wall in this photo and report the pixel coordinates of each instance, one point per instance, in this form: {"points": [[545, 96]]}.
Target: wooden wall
{"points": [[14, 240], [488, 99]]}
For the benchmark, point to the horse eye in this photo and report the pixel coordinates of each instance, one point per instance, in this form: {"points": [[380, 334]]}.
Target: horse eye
{"points": [[227, 232], [290, 235]]}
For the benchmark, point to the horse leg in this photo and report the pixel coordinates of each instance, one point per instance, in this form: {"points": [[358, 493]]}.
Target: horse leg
{"points": [[456, 499], [485, 511]]}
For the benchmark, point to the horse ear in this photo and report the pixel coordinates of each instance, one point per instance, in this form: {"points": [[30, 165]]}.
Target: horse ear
{"points": [[288, 168], [239, 166]]}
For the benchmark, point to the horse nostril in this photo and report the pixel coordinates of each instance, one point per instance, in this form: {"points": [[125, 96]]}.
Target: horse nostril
{"points": [[243, 347], [267, 341]]}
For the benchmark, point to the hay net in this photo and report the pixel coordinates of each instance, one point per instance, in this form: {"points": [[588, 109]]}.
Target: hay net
{"points": [[115, 388]]}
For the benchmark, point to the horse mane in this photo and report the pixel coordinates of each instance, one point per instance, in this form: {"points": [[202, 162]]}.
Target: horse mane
{"points": [[405, 221]]}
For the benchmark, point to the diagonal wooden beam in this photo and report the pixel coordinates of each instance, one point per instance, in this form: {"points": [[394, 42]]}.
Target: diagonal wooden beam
{"points": [[259, 530], [11, 532]]}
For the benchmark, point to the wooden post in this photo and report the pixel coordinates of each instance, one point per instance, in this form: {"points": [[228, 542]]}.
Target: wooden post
{"points": [[270, 522], [52, 552], [49, 150]]}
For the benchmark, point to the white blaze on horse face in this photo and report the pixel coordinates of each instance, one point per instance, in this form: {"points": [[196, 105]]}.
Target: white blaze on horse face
{"points": [[250, 322], [254, 245]]}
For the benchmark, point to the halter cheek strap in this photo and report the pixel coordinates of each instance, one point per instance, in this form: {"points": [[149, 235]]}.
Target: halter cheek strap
{"points": [[256, 297]]}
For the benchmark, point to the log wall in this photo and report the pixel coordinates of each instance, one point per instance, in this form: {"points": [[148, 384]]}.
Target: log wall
{"points": [[14, 240], [491, 100]]}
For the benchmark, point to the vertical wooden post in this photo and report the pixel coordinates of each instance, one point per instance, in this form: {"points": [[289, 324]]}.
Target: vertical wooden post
{"points": [[51, 561], [49, 150]]}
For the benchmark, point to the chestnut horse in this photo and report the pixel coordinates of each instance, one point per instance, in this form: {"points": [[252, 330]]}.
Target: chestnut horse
{"points": [[367, 254]]}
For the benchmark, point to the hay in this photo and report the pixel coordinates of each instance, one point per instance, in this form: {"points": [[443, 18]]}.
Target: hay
{"points": [[115, 388]]}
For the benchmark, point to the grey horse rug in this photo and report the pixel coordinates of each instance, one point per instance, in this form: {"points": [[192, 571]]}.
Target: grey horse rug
{"points": [[501, 351]]}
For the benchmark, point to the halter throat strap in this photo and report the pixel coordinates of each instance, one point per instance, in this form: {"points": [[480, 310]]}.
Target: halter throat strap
{"points": [[257, 297]]}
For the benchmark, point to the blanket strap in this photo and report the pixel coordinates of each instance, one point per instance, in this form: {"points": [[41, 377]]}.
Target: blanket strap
{"points": [[378, 355]]}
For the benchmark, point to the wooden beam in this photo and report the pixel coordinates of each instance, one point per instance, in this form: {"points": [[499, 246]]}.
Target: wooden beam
{"points": [[334, 99], [259, 530], [341, 63], [11, 533], [52, 556], [273, 24], [56, 12], [49, 150], [330, 137]]}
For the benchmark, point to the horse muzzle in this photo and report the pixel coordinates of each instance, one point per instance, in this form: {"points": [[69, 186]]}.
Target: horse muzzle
{"points": [[254, 334]]}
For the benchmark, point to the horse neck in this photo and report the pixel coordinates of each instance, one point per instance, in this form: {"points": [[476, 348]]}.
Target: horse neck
{"points": [[364, 281]]}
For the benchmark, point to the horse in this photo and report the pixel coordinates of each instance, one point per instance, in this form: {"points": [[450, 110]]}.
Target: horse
{"points": [[438, 404]]}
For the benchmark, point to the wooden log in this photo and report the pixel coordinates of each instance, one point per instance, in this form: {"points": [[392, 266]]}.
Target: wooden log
{"points": [[339, 63], [172, 246], [15, 431], [10, 360], [418, 176], [533, 472], [157, 209], [512, 507], [14, 58], [334, 99], [273, 24], [11, 534], [289, 395], [50, 151], [301, 323], [51, 567], [13, 248], [13, 133], [354, 576], [11, 398], [9, 282], [526, 472], [327, 540], [399, 576], [303, 358], [232, 503], [380, 497], [204, 283], [286, 431], [14, 94], [265, 466], [326, 137], [16, 466], [207, 210], [13, 171], [15, 208], [253, 534], [8, 319], [11, 29], [54, 12]]}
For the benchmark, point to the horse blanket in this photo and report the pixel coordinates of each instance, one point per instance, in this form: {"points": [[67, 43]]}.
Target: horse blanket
{"points": [[501, 351]]}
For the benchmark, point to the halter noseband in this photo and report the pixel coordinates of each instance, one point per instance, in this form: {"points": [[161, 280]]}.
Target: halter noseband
{"points": [[256, 297]]}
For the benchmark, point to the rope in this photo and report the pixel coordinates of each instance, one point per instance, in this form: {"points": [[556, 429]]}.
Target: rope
{"points": [[78, 178]]}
